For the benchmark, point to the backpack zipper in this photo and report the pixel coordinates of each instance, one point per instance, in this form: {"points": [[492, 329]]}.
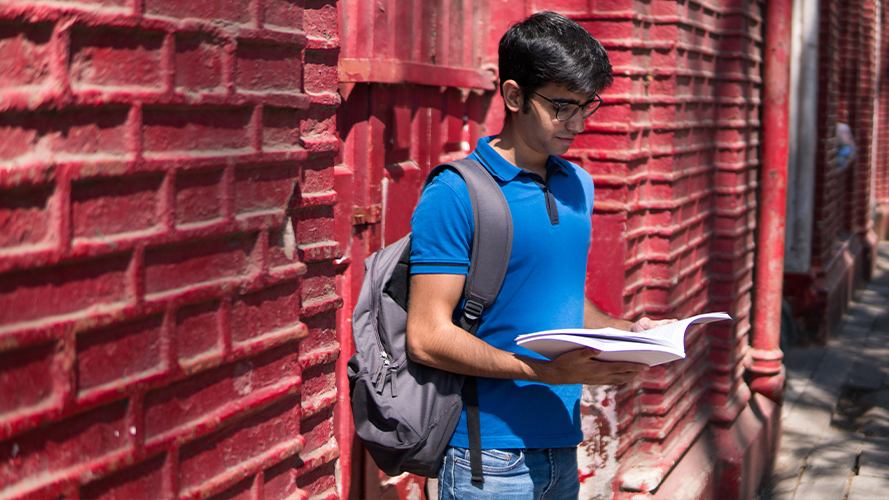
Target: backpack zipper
{"points": [[383, 354]]}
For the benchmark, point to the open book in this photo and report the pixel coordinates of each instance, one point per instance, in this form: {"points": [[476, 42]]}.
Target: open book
{"points": [[651, 347]]}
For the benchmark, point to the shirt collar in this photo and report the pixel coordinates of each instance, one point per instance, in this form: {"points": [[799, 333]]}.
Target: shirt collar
{"points": [[504, 170]]}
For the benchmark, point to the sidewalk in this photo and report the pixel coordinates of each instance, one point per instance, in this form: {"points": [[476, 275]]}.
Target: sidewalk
{"points": [[835, 442]]}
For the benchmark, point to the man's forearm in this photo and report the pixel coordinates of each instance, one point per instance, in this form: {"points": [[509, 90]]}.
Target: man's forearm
{"points": [[593, 318]]}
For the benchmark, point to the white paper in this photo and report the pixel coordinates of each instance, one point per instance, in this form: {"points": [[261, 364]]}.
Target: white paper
{"points": [[652, 347]]}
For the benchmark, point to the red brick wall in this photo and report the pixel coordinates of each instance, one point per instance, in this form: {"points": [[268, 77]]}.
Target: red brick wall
{"points": [[674, 154], [881, 153], [167, 290]]}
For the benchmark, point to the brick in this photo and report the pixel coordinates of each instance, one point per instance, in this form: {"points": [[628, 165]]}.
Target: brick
{"points": [[266, 311], [320, 19], [320, 71], [318, 122], [105, 207], [63, 289], [141, 481], [197, 332], [286, 14], [119, 354], [25, 54], [210, 397], [280, 481], [198, 63], [240, 491], [116, 58], [264, 67], [222, 10], [178, 266], [74, 131], [26, 381], [314, 226], [280, 129], [198, 195], [37, 457], [265, 438], [195, 129], [25, 215], [263, 188]]}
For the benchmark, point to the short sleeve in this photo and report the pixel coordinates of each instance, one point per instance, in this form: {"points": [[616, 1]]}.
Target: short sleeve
{"points": [[441, 227]]}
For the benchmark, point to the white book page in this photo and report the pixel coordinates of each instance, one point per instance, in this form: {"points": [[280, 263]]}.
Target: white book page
{"points": [[654, 346]]}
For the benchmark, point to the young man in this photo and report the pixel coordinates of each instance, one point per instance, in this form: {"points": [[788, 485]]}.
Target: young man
{"points": [[551, 71]]}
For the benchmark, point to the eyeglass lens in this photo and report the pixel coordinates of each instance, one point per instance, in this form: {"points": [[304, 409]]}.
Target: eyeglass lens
{"points": [[566, 111]]}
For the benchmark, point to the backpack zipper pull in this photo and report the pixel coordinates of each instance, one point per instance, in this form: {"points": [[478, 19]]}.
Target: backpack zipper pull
{"points": [[391, 375], [385, 365]]}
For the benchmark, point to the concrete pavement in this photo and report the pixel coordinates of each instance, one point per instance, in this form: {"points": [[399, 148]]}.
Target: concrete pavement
{"points": [[835, 443]]}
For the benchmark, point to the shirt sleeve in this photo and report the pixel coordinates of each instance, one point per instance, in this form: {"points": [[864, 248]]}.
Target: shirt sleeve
{"points": [[442, 227]]}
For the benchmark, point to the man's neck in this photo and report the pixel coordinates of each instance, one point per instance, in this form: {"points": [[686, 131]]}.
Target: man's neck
{"points": [[509, 148]]}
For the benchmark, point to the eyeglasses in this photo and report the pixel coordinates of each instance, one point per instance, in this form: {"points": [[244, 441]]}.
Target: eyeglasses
{"points": [[566, 110]]}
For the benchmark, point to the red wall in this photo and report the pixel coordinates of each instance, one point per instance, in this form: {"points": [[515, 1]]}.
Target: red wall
{"points": [[167, 296]]}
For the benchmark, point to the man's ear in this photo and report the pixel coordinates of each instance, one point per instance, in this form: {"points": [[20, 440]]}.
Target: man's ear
{"points": [[512, 95]]}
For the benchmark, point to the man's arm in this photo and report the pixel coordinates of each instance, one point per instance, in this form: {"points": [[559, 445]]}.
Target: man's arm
{"points": [[433, 340], [593, 318]]}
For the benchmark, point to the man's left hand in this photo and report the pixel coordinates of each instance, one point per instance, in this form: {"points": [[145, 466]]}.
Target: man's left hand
{"points": [[647, 323]]}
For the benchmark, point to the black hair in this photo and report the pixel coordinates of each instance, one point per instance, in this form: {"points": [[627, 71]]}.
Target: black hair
{"points": [[547, 47]]}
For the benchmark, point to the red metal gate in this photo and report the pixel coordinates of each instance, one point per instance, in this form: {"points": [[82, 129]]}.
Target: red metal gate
{"points": [[415, 94]]}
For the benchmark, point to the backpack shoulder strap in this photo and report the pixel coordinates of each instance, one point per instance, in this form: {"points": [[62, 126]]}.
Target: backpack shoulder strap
{"points": [[492, 238], [488, 262]]}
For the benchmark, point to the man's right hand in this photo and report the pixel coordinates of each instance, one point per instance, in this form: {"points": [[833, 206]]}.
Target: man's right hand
{"points": [[581, 367]]}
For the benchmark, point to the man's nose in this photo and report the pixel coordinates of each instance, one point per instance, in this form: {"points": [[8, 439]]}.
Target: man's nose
{"points": [[576, 123]]}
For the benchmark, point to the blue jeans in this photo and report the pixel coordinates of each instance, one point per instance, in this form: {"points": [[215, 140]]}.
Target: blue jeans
{"points": [[547, 473]]}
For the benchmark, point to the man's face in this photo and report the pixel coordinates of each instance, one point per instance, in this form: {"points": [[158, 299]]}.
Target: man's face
{"points": [[540, 130]]}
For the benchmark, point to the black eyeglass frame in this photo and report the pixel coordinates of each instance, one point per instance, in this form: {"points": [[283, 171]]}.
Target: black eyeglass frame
{"points": [[559, 105]]}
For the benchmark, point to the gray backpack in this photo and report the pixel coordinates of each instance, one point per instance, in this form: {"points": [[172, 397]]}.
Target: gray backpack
{"points": [[405, 412]]}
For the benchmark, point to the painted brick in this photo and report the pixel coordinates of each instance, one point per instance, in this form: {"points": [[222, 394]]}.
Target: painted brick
{"points": [[177, 266], [264, 67], [282, 250], [198, 331], [223, 10], [145, 480], [319, 72], [320, 19], [280, 129], [39, 456], [76, 131], [26, 382], [315, 225], [319, 121], [198, 195], [199, 63], [243, 490], [265, 438], [195, 129], [286, 14], [119, 354], [262, 188], [116, 58], [211, 396], [25, 54], [266, 311], [280, 481], [106, 207], [25, 217], [63, 289]]}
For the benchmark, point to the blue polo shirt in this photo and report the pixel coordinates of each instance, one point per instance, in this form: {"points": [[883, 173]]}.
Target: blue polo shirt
{"points": [[543, 288]]}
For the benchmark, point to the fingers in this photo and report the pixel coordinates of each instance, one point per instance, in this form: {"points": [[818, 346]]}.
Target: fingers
{"points": [[646, 323]]}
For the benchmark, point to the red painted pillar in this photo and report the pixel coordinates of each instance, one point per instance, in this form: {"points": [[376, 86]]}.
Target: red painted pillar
{"points": [[767, 371]]}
